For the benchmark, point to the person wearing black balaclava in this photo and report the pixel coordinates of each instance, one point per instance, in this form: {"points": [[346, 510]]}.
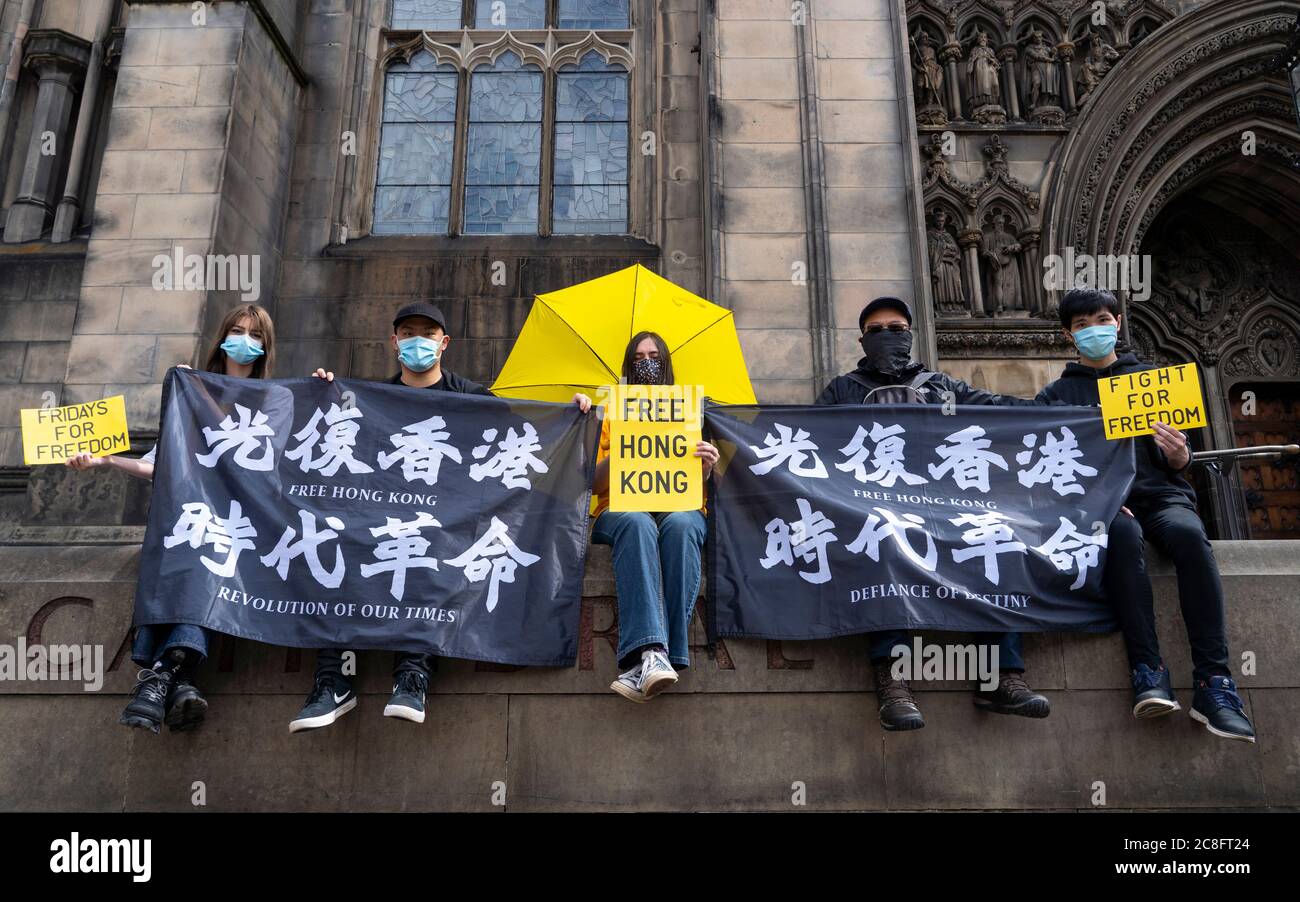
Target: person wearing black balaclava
{"points": [[887, 374]]}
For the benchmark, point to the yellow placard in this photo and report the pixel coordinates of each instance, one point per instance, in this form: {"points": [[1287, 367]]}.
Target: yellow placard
{"points": [[1133, 403], [652, 434], [53, 434]]}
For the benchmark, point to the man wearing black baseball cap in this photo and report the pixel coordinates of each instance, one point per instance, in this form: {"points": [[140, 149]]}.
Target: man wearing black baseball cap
{"points": [[420, 339], [888, 375]]}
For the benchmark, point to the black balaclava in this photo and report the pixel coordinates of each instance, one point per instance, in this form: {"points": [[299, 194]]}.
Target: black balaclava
{"points": [[887, 352]]}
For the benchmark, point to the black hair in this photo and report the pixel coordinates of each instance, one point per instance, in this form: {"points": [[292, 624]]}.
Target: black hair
{"points": [[1085, 302], [666, 359]]}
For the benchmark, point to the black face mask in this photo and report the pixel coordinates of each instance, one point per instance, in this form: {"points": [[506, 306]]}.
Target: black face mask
{"points": [[887, 352], [647, 371]]}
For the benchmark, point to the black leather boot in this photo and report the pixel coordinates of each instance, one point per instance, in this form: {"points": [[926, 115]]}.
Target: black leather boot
{"points": [[898, 708]]}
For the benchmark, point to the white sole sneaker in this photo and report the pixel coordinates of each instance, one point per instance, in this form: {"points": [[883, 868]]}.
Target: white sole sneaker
{"points": [[1201, 718], [404, 713], [1155, 707], [631, 695], [657, 683], [324, 720]]}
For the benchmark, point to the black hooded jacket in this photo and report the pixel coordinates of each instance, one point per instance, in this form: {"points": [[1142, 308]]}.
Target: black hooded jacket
{"points": [[848, 389], [1156, 481]]}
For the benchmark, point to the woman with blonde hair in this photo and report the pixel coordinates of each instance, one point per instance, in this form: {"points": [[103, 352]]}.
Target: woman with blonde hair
{"points": [[169, 653]]}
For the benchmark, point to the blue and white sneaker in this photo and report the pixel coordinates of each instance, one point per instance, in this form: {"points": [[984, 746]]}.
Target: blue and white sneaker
{"points": [[328, 701], [628, 685], [408, 697], [1218, 706], [656, 673], [1152, 694]]}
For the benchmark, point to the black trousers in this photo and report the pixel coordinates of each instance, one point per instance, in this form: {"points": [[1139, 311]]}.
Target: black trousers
{"points": [[1177, 531], [330, 661]]}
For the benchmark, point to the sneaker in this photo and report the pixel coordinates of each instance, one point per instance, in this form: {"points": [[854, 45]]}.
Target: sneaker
{"points": [[408, 696], [186, 706], [147, 706], [628, 685], [656, 673], [898, 709], [325, 704], [1218, 706], [1013, 696], [1152, 696]]}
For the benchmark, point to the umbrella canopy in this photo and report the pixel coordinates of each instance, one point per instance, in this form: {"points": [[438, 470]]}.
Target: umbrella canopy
{"points": [[574, 339]]}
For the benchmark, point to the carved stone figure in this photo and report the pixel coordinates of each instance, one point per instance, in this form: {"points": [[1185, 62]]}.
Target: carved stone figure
{"points": [[1095, 65], [1000, 251], [929, 81], [945, 268], [982, 72], [1044, 76]]}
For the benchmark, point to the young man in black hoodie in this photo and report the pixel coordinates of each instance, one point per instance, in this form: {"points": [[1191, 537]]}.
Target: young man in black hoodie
{"points": [[887, 374], [1163, 506], [419, 339]]}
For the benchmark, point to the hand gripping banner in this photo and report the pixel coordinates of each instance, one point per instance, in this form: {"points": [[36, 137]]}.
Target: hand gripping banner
{"points": [[357, 514], [827, 521]]}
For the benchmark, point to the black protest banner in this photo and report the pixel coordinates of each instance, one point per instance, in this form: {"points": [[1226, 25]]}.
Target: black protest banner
{"points": [[828, 521], [364, 515]]}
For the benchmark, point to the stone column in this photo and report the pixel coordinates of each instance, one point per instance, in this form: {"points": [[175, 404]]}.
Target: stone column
{"points": [[1007, 53], [969, 239], [59, 60], [1031, 272], [951, 55], [1065, 53]]}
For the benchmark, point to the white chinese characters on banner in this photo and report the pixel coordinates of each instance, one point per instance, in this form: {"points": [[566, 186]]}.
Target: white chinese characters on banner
{"points": [[515, 455], [251, 433], [968, 459], [885, 524], [1059, 463], [805, 538], [402, 551], [1069, 549], [229, 535], [309, 547], [336, 444], [493, 555], [887, 457], [790, 448], [988, 537], [420, 448]]}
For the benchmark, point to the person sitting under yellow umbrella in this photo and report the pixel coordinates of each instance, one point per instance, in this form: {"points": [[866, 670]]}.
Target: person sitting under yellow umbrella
{"points": [[590, 336]]}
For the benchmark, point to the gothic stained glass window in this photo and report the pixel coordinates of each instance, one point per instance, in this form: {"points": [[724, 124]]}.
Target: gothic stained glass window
{"points": [[591, 148], [431, 15], [592, 14], [417, 137], [503, 155], [513, 14]]}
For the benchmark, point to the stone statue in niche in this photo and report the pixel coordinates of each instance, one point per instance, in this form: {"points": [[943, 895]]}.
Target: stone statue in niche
{"points": [[1096, 64], [982, 82], [945, 268], [929, 81], [1044, 81], [1001, 251]]}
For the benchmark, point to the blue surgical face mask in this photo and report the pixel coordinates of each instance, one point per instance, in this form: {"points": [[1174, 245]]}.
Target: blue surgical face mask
{"points": [[1095, 342], [242, 349], [418, 353]]}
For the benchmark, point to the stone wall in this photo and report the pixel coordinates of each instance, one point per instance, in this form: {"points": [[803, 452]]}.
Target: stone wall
{"points": [[741, 727]]}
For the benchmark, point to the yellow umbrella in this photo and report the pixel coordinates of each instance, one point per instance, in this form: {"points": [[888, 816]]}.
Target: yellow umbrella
{"points": [[574, 339]]}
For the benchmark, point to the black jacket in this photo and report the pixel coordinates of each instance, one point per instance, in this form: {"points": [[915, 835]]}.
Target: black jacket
{"points": [[1156, 481], [849, 390], [449, 382]]}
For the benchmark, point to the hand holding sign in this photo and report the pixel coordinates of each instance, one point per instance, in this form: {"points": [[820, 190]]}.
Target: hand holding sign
{"points": [[1173, 445]]}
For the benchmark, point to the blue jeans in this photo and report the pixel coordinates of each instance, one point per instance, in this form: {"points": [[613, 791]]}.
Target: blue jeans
{"points": [[1010, 655], [156, 639], [657, 572]]}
